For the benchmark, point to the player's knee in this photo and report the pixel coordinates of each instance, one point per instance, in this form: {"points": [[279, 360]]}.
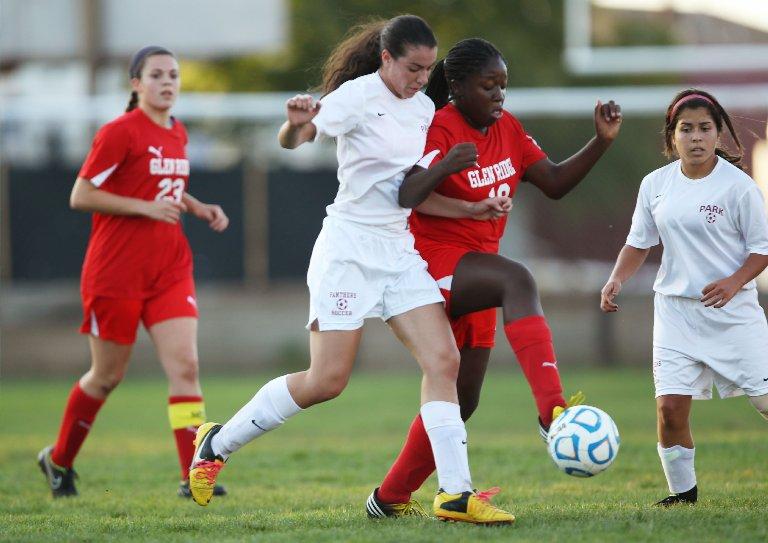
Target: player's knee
{"points": [[670, 416], [761, 404], [185, 368], [520, 282], [330, 387], [443, 363], [105, 382]]}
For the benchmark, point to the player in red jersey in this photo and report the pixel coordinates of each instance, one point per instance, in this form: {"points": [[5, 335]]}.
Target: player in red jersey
{"points": [[476, 150], [138, 266]]}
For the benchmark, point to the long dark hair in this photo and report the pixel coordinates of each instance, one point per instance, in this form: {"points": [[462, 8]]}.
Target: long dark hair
{"points": [[465, 58], [137, 65], [360, 51], [696, 98]]}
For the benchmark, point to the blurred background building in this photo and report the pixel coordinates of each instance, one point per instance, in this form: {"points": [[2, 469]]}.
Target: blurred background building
{"points": [[63, 73]]}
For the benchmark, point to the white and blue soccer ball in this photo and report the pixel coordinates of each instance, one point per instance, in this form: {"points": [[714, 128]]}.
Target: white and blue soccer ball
{"points": [[583, 441]]}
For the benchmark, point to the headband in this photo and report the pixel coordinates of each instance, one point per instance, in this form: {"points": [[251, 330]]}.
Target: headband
{"points": [[688, 98], [138, 58]]}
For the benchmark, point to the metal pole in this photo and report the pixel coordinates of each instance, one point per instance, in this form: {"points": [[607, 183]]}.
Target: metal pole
{"points": [[255, 219]]}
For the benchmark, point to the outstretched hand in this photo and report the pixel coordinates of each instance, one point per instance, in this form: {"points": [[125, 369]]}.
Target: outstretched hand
{"points": [[301, 109], [608, 119]]}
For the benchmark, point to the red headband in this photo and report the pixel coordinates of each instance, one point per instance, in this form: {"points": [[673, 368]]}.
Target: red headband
{"points": [[687, 98]]}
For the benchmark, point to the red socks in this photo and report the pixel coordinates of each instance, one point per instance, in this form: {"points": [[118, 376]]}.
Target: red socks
{"points": [[79, 414], [412, 467], [531, 339], [185, 414]]}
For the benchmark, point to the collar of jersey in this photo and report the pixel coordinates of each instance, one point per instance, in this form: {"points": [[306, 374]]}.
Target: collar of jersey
{"points": [[689, 181]]}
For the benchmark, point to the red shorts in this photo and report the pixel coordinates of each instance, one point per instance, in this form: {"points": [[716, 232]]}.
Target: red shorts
{"points": [[476, 329], [117, 319]]}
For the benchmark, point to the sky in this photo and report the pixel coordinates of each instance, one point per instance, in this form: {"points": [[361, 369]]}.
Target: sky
{"points": [[749, 13]]}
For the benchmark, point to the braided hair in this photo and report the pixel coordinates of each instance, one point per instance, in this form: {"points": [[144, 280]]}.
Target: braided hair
{"points": [[465, 58]]}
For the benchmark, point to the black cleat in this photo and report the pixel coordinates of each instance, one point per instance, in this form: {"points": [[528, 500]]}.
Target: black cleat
{"points": [[184, 492], [61, 481], [688, 497], [543, 431], [378, 509]]}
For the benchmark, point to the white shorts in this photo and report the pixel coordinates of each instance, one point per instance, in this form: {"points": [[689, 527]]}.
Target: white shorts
{"points": [[695, 347], [359, 271]]}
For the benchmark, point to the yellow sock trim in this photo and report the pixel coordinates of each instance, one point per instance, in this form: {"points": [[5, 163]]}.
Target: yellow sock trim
{"points": [[185, 414]]}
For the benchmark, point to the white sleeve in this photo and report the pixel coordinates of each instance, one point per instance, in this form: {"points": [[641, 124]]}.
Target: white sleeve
{"points": [[643, 234], [340, 111], [752, 221]]}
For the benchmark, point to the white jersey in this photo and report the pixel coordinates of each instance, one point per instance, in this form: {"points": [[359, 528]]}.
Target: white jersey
{"points": [[708, 226], [379, 137]]}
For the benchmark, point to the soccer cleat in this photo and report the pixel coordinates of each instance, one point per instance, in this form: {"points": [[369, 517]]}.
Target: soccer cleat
{"points": [[378, 509], [576, 399], [472, 507], [688, 497], [205, 465], [61, 480], [184, 492]]}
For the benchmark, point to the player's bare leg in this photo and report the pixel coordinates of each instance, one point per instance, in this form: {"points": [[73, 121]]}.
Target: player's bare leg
{"points": [[426, 332], [484, 281], [109, 360], [175, 341], [676, 448], [474, 363], [108, 363], [176, 345], [332, 356]]}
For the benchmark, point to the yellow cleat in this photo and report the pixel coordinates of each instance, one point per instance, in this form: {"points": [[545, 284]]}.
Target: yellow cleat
{"points": [[472, 507], [205, 465], [576, 399]]}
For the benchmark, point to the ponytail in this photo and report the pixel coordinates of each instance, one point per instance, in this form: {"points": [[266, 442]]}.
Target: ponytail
{"points": [[133, 102], [360, 52], [437, 87]]}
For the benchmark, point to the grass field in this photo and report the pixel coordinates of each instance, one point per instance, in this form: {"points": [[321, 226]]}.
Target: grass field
{"points": [[308, 481]]}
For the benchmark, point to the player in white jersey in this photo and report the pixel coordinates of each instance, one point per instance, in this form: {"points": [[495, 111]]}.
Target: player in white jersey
{"points": [[709, 328], [364, 264]]}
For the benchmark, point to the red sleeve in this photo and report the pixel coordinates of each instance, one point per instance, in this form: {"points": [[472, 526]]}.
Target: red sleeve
{"points": [[437, 146], [109, 149], [532, 153]]}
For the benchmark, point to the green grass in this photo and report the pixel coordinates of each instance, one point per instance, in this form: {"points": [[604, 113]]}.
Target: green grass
{"points": [[308, 481]]}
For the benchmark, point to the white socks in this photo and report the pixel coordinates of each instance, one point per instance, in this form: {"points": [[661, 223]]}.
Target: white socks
{"points": [[267, 410], [677, 462], [448, 436]]}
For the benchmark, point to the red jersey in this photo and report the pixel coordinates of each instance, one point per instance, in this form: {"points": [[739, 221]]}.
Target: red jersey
{"points": [[131, 256], [504, 153]]}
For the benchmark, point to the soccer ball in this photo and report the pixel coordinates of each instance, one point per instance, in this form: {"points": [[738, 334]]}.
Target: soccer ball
{"points": [[583, 441]]}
